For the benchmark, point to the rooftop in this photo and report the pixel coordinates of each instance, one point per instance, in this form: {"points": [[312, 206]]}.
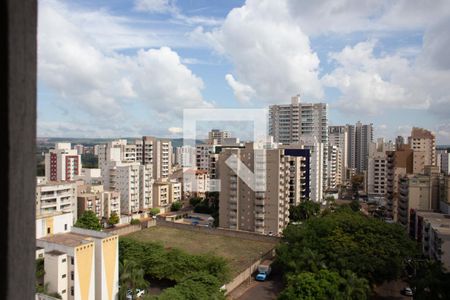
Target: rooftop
{"points": [[68, 239]]}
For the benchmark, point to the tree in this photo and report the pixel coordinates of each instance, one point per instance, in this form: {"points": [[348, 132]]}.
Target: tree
{"points": [[113, 219], [176, 206], [154, 211], [88, 220], [355, 205], [303, 211], [194, 201], [135, 222], [346, 240], [324, 285], [131, 278]]}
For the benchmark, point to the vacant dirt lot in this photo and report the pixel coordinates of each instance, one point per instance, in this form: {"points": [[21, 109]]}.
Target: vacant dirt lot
{"points": [[238, 252]]}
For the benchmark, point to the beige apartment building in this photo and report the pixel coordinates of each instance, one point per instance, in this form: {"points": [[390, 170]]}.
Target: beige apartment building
{"points": [[423, 141], [96, 199], [53, 223], [82, 264], [418, 192], [377, 167], [166, 192], [432, 231], [280, 175], [56, 196]]}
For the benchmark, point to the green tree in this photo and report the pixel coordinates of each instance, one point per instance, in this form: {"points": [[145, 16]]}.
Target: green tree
{"points": [[176, 206], [88, 220], [131, 278], [430, 280], [304, 211], [355, 205], [135, 222], [113, 219], [154, 211], [194, 201], [346, 240]]}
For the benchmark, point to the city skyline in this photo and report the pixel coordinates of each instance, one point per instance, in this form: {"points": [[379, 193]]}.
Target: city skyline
{"points": [[375, 68]]}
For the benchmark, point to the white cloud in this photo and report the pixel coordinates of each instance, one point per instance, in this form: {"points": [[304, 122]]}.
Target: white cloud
{"points": [[99, 84], [242, 92], [155, 6], [268, 50], [175, 130]]}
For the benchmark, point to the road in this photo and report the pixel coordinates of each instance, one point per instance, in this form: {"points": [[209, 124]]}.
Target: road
{"points": [[265, 290]]}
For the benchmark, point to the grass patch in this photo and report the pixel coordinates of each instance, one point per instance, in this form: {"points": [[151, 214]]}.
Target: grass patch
{"points": [[237, 252]]}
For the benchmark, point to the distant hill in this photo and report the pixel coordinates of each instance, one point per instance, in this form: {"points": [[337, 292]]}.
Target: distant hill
{"points": [[49, 142]]}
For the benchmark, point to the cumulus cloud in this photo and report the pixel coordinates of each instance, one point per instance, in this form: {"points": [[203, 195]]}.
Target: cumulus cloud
{"points": [[368, 83], [269, 51], [102, 84], [242, 92]]}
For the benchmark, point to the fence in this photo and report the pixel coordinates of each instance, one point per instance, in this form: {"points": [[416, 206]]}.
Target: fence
{"points": [[127, 229], [247, 273], [220, 231]]}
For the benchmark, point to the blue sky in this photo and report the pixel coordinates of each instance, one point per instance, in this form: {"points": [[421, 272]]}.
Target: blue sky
{"points": [[128, 68]]}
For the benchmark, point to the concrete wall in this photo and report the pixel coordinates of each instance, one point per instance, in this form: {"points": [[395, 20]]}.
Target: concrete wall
{"points": [[247, 273], [221, 231], [127, 229]]}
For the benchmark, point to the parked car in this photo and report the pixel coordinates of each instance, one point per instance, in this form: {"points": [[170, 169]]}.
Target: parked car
{"points": [[264, 270], [140, 292]]}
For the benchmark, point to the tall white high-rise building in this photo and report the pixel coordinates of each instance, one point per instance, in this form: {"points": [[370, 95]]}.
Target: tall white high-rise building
{"points": [[291, 123], [62, 163]]}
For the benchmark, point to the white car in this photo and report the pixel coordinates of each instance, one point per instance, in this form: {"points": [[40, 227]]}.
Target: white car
{"points": [[139, 292]]}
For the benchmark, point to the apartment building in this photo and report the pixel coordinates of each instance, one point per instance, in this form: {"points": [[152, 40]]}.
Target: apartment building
{"points": [[359, 138], [281, 180], [185, 156], [166, 192], [418, 192], [399, 163], [217, 136], [432, 231], [95, 198], [90, 176], [158, 153], [56, 196], [290, 123], [335, 166], [195, 183], [338, 137], [62, 163], [377, 167], [53, 223], [424, 141], [82, 264], [443, 160]]}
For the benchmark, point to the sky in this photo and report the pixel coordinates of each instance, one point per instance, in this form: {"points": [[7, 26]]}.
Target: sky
{"points": [[116, 68]]}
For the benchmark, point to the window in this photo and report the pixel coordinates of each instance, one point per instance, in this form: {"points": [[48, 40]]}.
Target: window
{"points": [[63, 276], [63, 291], [63, 260], [71, 290], [65, 226], [71, 275], [71, 260], [48, 230]]}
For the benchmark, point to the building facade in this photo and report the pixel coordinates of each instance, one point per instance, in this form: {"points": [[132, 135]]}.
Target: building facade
{"points": [[82, 264], [62, 163], [59, 196]]}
